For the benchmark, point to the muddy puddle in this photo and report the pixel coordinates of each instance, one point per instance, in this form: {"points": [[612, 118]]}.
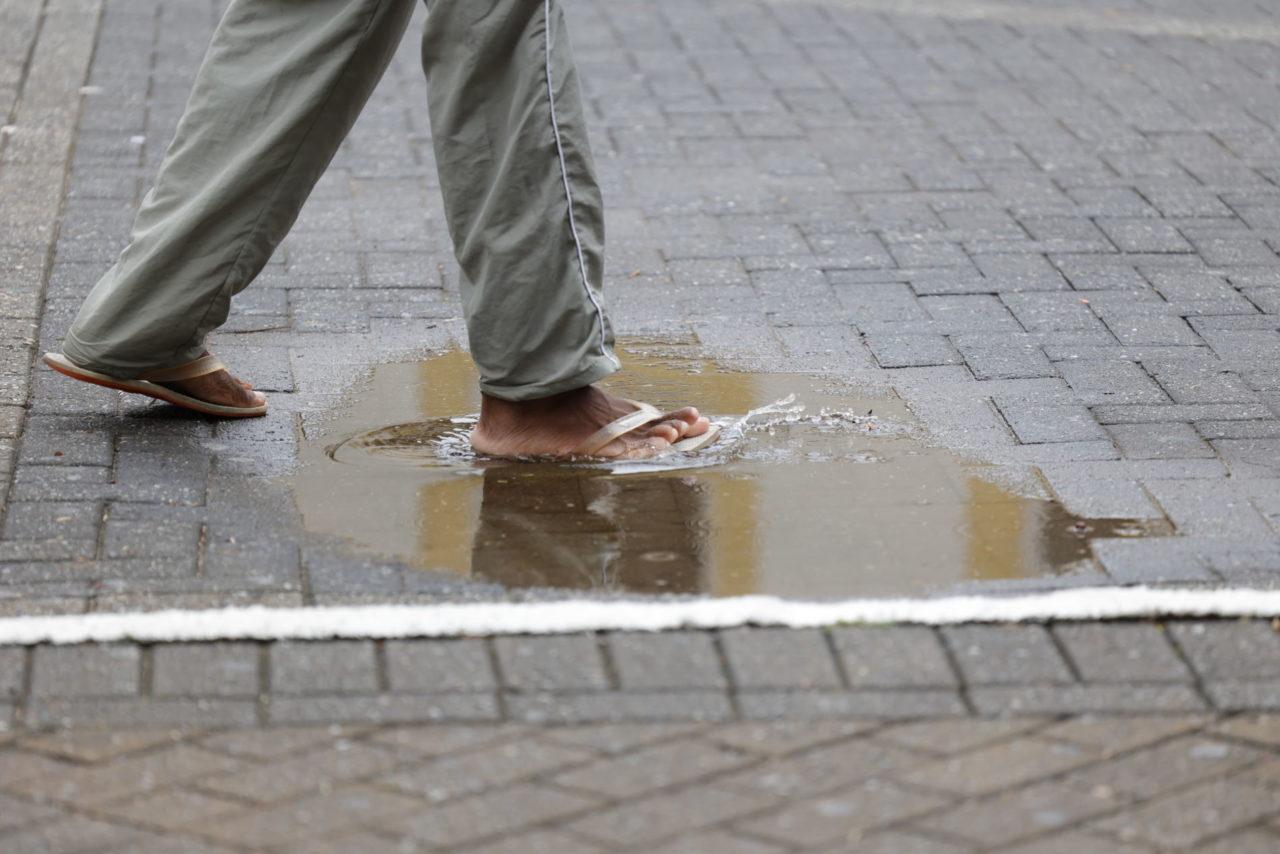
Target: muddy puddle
{"points": [[811, 493]]}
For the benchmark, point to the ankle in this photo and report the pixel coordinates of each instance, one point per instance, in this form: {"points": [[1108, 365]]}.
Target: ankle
{"points": [[496, 412]]}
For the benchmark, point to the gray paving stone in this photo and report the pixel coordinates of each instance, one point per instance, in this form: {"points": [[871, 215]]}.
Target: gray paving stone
{"points": [[1109, 382], [1111, 202], [1200, 381], [1250, 457], [1140, 414], [1078, 699], [72, 483], [893, 657], [1065, 234], [1020, 272], [1240, 695], [1025, 812], [52, 520], [205, 670], [383, 708], [878, 301], [1103, 499], [1124, 653], [1187, 819], [10, 417], [1143, 234], [1230, 650], [821, 705], [1242, 349], [903, 351], [651, 706], [105, 670], [152, 538], [1227, 251], [666, 661], [250, 563], [1152, 561], [1099, 273], [12, 667], [1208, 508], [551, 663], [305, 667], [955, 281], [1135, 329], [1250, 562], [779, 658], [1035, 423], [138, 713], [1263, 429], [970, 313], [1168, 440], [1008, 358], [929, 255], [702, 272], [428, 666], [993, 655], [1116, 469], [1052, 312], [63, 442], [1188, 286]]}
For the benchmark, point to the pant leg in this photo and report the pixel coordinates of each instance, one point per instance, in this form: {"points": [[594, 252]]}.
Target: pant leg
{"points": [[280, 87], [521, 198]]}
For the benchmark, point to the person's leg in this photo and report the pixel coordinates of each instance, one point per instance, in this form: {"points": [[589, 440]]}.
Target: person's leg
{"points": [[280, 87], [525, 214]]}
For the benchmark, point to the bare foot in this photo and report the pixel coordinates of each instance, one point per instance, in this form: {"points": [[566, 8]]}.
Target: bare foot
{"points": [[556, 426], [219, 387]]}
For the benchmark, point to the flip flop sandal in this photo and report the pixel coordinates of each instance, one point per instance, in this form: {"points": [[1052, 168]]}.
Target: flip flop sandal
{"points": [[644, 414], [148, 383], [697, 443]]}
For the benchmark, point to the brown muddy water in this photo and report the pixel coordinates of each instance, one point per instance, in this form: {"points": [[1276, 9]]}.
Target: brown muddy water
{"points": [[812, 492]]}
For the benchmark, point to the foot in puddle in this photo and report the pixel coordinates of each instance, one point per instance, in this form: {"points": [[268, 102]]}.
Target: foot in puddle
{"points": [[557, 426], [219, 387]]}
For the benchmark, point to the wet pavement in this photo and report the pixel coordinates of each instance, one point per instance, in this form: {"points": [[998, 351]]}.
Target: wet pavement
{"points": [[1036, 240], [812, 491], [972, 228]]}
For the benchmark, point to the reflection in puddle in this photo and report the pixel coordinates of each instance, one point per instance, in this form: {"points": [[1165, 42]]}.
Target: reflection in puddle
{"points": [[827, 496]]}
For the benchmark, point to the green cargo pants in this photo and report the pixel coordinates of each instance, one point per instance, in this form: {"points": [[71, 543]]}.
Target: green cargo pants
{"points": [[279, 89]]}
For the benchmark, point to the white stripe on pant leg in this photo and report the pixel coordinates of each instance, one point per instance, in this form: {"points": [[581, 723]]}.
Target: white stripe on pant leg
{"points": [[513, 618], [568, 193]]}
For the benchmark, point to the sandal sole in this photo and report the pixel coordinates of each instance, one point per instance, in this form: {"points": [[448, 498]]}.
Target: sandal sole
{"points": [[67, 368]]}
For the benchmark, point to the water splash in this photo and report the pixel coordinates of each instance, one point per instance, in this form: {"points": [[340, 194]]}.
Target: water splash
{"points": [[447, 441]]}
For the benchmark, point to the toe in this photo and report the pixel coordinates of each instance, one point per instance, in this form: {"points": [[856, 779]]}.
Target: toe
{"points": [[689, 429], [665, 430], [671, 430], [687, 414], [692, 423]]}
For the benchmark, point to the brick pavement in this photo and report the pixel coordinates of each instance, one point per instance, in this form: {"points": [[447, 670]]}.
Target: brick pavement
{"points": [[1034, 785], [1049, 227], [1049, 230], [1125, 737], [889, 672]]}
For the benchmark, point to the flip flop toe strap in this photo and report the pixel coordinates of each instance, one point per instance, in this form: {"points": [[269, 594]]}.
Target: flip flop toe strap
{"points": [[206, 364], [620, 427]]}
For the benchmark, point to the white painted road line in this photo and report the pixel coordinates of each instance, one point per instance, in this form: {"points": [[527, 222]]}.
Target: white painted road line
{"points": [[509, 618]]}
